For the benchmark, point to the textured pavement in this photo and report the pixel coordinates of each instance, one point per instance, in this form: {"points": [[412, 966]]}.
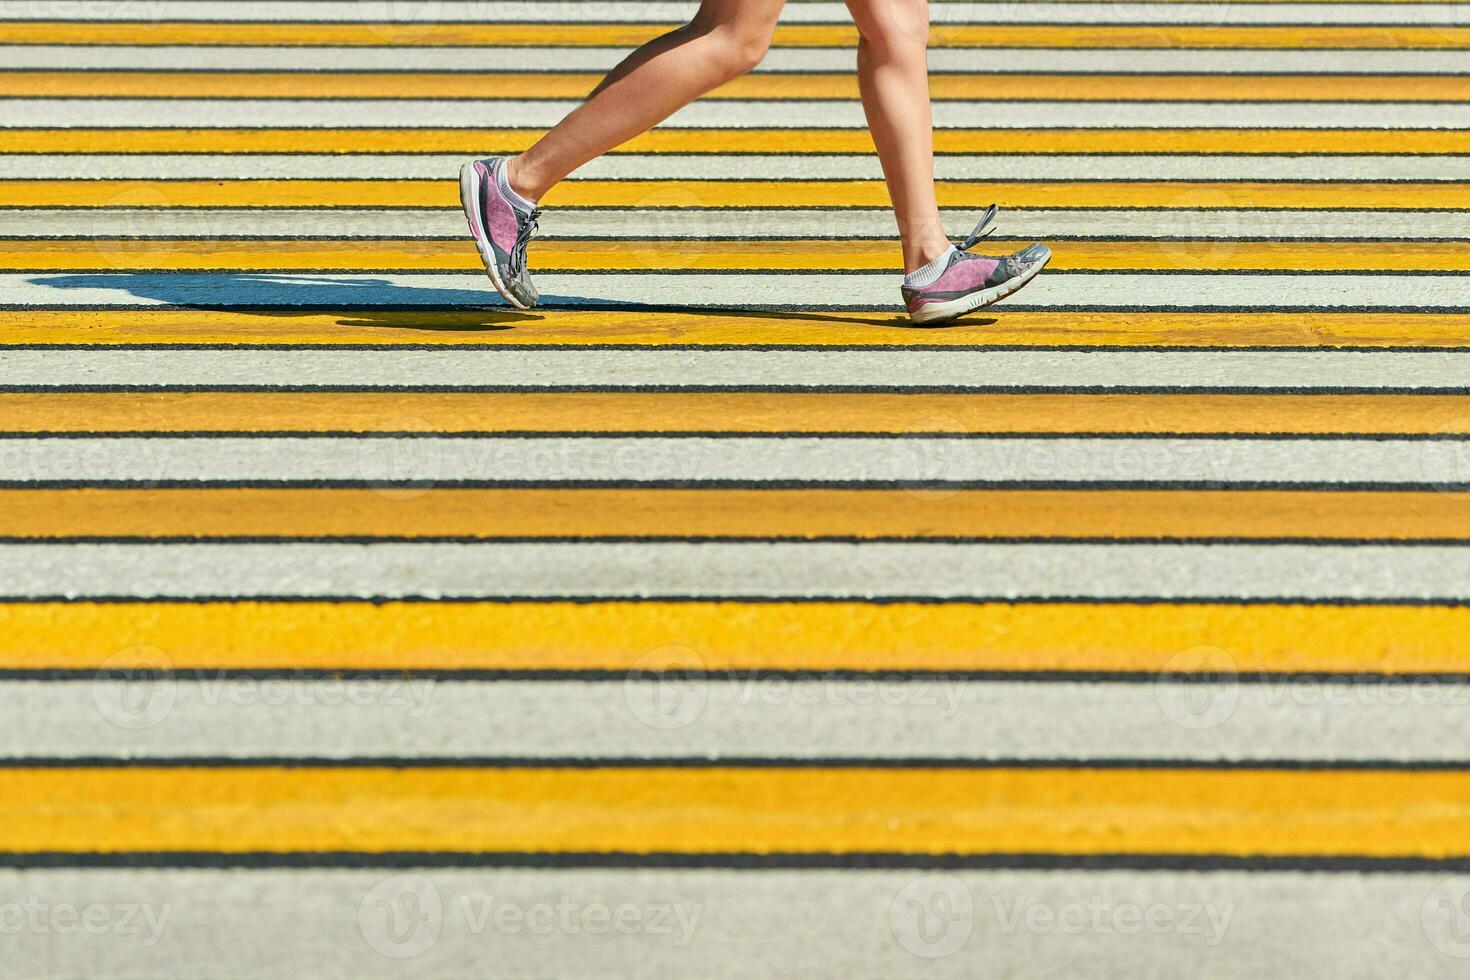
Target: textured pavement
{"points": [[710, 620]]}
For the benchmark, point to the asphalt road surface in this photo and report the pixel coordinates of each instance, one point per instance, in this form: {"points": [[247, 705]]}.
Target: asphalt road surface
{"points": [[710, 620]]}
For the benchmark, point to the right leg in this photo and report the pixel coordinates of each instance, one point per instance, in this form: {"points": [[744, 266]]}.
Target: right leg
{"points": [[726, 39]]}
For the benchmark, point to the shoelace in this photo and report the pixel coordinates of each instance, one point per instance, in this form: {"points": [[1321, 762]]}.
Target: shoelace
{"points": [[981, 229], [523, 238]]}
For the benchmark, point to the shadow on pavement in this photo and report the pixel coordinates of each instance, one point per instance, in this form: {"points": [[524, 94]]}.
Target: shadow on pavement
{"points": [[369, 302]]}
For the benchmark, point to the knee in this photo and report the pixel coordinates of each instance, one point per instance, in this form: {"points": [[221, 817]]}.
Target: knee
{"points": [[900, 31], [742, 47], [751, 47]]}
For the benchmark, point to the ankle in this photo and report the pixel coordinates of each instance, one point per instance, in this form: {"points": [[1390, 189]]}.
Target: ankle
{"points": [[916, 255], [522, 180]]}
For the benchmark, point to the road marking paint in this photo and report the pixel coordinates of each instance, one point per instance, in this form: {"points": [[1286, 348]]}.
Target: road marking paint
{"points": [[770, 412], [740, 140], [573, 328], [1062, 811], [570, 85], [447, 512], [269, 193], [800, 636], [123, 255]]}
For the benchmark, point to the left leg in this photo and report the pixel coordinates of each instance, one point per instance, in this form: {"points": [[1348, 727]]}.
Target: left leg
{"points": [[941, 282], [893, 77]]}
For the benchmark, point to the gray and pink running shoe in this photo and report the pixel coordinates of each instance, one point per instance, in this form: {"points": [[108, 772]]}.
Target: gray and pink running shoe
{"points": [[968, 282], [501, 228]]}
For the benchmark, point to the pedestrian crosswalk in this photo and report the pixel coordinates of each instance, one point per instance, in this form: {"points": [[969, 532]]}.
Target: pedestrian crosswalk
{"points": [[710, 619]]}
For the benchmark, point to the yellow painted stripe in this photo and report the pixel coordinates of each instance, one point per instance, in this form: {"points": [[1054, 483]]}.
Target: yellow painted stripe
{"points": [[737, 193], [766, 85], [735, 636], [730, 513], [1147, 36], [586, 327], [345, 255], [687, 811], [974, 141], [659, 411]]}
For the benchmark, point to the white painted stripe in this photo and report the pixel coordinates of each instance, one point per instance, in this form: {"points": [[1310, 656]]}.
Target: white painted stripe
{"points": [[756, 167], [745, 570], [801, 114], [335, 925], [675, 11], [529, 367], [1046, 60], [753, 223], [741, 291], [594, 459], [686, 715]]}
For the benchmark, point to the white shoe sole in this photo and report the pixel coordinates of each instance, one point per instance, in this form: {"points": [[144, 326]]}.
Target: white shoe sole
{"points": [[939, 312], [469, 199]]}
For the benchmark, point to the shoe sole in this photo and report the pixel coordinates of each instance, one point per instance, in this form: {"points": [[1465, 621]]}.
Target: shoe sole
{"points": [[469, 199], [939, 312]]}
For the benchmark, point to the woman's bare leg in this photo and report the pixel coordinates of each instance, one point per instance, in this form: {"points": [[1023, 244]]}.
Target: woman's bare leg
{"points": [[893, 76], [726, 39]]}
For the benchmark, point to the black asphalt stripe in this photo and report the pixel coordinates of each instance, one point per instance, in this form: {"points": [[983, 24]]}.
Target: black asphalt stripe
{"points": [[231, 22], [748, 762], [528, 130], [804, 47], [600, 434], [866, 348], [694, 539], [1336, 602], [735, 389], [735, 861], [574, 100], [895, 321], [307, 72], [751, 309], [102, 269], [1347, 182], [695, 484], [736, 208], [409, 242], [186, 675], [473, 147]]}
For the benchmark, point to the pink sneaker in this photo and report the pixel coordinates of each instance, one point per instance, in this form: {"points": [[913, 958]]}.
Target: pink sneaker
{"points": [[501, 229], [968, 281]]}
